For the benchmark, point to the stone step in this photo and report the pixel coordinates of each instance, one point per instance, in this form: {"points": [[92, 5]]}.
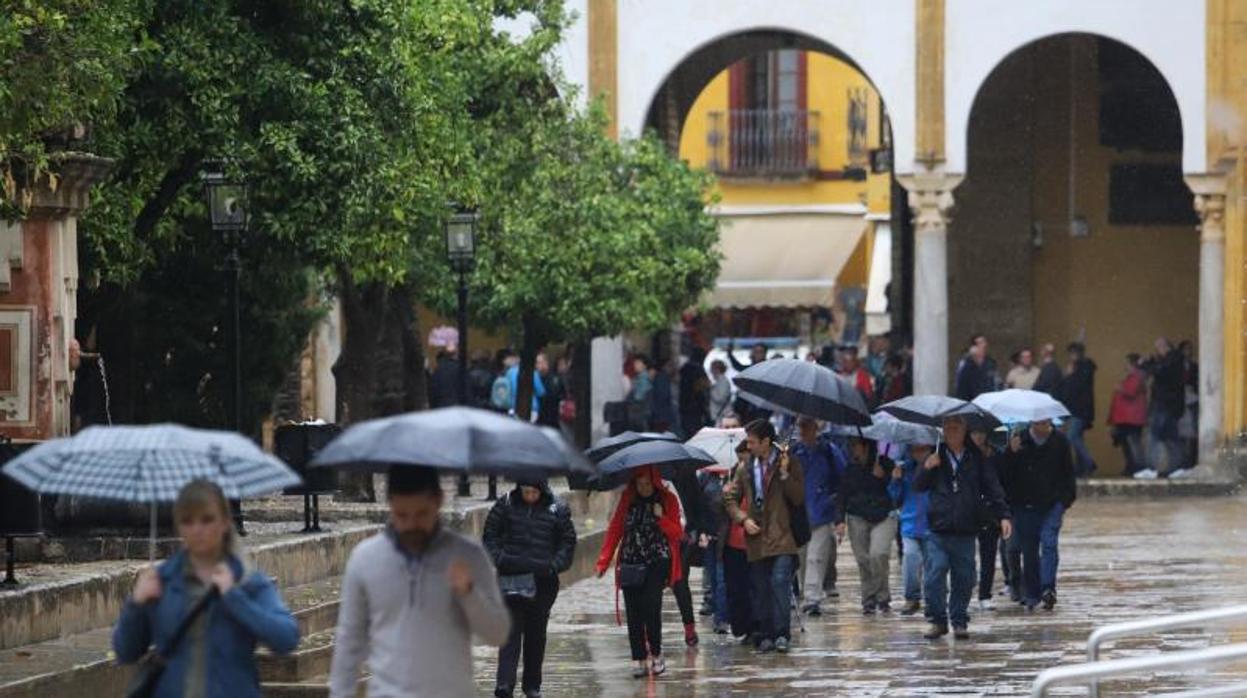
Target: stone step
{"points": [[315, 687], [311, 658]]}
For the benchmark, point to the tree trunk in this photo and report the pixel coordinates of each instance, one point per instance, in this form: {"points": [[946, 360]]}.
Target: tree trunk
{"points": [[415, 380], [528, 362], [582, 392]]}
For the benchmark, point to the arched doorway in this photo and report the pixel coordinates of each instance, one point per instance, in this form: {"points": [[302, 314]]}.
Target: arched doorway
{"points": [[1074, 222]]}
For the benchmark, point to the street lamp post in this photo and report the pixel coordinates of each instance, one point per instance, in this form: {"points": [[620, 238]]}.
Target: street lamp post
{"points": [[230, 214], [461, 252]]}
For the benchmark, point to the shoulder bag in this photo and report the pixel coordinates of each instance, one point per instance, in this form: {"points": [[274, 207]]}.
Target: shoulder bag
{"points": [[152, 666]]}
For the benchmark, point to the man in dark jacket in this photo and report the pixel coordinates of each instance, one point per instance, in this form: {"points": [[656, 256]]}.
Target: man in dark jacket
{"points": [[528, 532], [1077, 393], [444, 381], [1049, 380], [963, 491], [1039, 484], [822, 463], [1168, 403], [694, 393], [976, 373]]}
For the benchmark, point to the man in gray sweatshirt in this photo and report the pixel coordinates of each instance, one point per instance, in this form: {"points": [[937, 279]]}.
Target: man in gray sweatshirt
{"points": [[412, 598]]}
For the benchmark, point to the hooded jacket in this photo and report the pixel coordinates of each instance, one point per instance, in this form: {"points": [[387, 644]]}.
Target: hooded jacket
{"points": [[521, 538], [672, 530]]}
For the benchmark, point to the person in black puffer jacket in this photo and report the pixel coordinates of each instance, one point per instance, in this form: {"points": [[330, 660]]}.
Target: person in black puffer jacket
{"points": [[529, 531], [866, 505]]}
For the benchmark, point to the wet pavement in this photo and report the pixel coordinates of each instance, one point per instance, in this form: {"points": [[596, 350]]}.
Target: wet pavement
{"points": [[1120, 560]]}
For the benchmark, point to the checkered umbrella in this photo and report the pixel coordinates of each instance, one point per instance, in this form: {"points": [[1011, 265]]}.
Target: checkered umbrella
{"points": [[149, 464]]}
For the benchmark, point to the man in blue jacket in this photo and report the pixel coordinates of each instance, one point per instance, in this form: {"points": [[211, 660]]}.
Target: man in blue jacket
{"points": [[822, 462], [963, 489]]}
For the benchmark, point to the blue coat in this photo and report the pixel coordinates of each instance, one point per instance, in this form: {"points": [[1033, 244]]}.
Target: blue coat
{"points": [[822, 467], [913, 504], [251, 611]]}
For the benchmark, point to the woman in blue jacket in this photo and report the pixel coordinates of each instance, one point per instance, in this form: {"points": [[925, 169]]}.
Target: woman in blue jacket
{"points": [[913, 525], [216, 656]]}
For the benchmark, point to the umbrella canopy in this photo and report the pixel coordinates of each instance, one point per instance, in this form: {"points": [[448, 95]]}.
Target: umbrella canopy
{"points": [[454, 438], [803, 388], [605, 447], [149, 464], [670, 457], [932, 410], [904, 433], [719, 443], [1013, 406]]}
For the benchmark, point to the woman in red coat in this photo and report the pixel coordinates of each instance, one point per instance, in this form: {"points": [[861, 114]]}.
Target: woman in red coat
{"points": [[646, 531], [1128, 414]]}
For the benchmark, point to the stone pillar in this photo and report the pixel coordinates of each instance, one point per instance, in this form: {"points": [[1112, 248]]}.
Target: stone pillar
{"points": [[606, 379], [1210, 204], [930, 199]]}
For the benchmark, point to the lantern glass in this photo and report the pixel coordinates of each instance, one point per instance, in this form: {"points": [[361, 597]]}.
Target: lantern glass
{"points": [[227, 203], [461, 237]]}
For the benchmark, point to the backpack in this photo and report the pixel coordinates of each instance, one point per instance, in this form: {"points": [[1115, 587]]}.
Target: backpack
{"points": [[500, 394]]}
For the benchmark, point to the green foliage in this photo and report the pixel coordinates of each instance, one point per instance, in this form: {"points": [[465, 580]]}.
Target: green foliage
{"points": [[63, 63], [590, 237]]}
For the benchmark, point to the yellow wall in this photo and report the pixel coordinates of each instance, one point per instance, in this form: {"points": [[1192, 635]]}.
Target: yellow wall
{"points": [[828, 83]]}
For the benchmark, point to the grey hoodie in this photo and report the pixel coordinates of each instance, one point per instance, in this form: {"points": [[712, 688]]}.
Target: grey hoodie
{"points": [[399, 613]]}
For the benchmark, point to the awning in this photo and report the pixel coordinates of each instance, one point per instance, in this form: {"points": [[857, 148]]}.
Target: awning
{"points": [[878, 319], [784, 256]]}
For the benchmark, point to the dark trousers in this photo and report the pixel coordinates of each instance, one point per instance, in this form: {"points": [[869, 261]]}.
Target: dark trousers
{"points": [[643, 609], [529, 618], [772, 595], [989, 541], [684, 595], [739, 591], [1029, 522]]}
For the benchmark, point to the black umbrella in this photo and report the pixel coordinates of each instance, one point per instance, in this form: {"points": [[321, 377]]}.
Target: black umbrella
{"points": [[455, 438], [932, 410], [605, 447], [804, 388], [670, 457]]}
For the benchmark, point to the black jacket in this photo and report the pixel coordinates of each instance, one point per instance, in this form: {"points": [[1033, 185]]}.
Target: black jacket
{"points": [[974, 379], [520, 539], [1049, 380], [1168, 383], [444, 383], [688, 487], [1077, 392], [862, 494], [1039, 476], [960, 504]]}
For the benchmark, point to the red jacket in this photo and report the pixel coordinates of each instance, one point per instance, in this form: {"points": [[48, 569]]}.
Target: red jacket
{"points": [[669, 523], [1129, 406]]}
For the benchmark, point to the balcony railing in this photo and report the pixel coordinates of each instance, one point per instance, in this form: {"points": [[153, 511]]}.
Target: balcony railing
{"points": [[763, 142]]}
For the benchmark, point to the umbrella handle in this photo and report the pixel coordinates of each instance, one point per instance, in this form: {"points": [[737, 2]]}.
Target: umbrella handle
{"points": [[151, 541]]}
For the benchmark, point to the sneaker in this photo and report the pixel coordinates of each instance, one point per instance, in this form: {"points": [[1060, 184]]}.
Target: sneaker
{"points": [[781, 645], [1179, 474], [1146, 474], [766, 646], [935, 631], [1049, 600], [911, 607], [503, 692], [657, 665], [987, 605], [532, 694], [868, 610], [690, 635], [885, 607], [721, 628], [961, 633], [812, 610], [640, 669]]}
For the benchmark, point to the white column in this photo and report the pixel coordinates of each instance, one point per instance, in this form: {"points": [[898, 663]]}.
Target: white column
{"points": [[606, 379], [1210, 204], [930, 199]]}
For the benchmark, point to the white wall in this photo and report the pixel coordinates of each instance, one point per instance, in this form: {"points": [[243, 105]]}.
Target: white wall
{"points": [[572, 55], [655, 36], [979, 34]]}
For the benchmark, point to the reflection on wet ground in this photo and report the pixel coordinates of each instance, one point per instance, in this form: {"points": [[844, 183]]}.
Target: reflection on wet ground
{"points": [[1121, 560]]}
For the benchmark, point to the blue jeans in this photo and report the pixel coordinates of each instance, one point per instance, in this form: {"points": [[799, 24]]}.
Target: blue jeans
{"points": [[1049, 542], [714, 584], [911, 567], [1084, 464], [1162, 436], [772, 579], [949, 555], [1028, 523]]}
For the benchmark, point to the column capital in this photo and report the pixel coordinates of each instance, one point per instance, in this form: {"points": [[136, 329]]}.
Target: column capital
{"points": [[931, 198], [1209, 190]]}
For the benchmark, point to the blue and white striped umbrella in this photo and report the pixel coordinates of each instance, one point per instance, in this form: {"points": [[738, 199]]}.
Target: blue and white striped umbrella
{"points": [[149, 464]]}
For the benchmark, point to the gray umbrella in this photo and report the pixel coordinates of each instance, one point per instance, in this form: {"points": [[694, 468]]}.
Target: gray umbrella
{"points": [[804, 388], [670, 457], [149, 464], [455, 438], [606, 446], [932, 410]]}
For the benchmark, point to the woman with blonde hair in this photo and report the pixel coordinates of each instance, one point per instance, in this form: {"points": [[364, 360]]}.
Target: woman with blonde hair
{"points": [[226, 606]]}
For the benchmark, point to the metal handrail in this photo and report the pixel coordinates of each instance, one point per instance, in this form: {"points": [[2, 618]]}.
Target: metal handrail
{"points": [[1081, 673], [1138, 627], [1238, 689]]}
